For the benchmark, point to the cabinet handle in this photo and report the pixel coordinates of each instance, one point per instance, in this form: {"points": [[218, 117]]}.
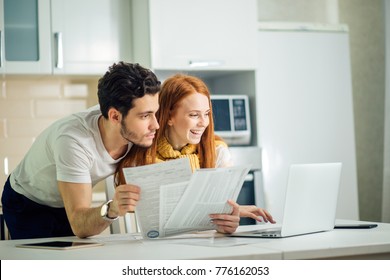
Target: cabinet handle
{"points": [[60, 55], [205, 63]]}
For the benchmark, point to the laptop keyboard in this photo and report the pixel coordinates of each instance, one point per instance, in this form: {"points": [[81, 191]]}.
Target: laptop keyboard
{"points": [[269, 233]]}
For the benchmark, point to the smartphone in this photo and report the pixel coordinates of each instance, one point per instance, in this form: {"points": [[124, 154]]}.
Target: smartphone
{"points": [[354, 226], [59, 245]]}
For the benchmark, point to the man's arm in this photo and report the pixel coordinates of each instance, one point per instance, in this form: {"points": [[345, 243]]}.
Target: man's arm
{"points": [[85, 220]]}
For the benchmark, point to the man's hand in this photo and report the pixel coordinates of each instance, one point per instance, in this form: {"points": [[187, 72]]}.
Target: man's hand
{"points": [[125, 200]]}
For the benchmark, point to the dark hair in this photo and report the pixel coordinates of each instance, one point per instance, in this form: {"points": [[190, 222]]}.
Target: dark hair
{"points": [[122, 83]]}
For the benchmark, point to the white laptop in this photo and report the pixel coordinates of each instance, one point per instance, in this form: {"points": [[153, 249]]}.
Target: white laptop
{"points": [[310, 203]]}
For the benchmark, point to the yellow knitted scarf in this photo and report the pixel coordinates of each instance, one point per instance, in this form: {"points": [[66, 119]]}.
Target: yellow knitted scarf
{"points": [[165, 152]]}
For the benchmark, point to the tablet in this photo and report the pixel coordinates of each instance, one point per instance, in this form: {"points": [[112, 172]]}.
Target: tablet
{"points": [[59, 245]]}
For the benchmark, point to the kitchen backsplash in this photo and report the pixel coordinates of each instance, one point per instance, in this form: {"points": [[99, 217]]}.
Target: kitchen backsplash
{"points": [[28, 105]]}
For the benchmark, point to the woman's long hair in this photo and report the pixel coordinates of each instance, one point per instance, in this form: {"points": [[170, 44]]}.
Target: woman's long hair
{"points": [[173, 90]]}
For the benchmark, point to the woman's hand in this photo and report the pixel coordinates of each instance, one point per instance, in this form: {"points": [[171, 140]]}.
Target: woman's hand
{"points": [[251, 211], [227, 223]]}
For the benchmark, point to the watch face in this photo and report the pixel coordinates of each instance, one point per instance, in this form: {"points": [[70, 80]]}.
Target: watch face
{"points": [[103, 210]]}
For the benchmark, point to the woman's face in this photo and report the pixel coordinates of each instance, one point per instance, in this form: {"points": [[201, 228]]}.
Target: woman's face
{"points": [[188, 121]]}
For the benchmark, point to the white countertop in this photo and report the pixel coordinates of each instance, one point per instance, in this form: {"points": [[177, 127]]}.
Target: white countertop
{"points": [[340, 243]]}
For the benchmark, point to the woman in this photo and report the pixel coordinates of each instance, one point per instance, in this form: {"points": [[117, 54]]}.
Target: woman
{"points": [[187, 130]]}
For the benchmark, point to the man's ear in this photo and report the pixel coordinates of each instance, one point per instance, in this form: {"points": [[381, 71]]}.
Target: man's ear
{"points": [[114, 115]]}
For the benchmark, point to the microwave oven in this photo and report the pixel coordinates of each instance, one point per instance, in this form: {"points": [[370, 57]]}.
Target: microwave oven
{"points": [[232, 118]]}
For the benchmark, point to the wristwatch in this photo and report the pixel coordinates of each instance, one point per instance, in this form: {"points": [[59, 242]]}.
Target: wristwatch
{"points": [[104, 212]]}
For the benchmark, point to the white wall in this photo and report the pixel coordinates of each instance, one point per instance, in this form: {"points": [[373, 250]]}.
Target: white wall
{"points": [[367, 42], [321, 11], [386, 162]]}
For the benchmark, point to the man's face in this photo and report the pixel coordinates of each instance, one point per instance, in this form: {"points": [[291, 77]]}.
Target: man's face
{"points": [[140, 124]]}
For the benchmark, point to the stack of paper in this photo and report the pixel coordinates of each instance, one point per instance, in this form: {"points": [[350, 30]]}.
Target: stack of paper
{"points": [[175, 200]]}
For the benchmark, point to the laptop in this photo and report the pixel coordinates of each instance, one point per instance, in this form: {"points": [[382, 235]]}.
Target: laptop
{"points": [[310, 202]]}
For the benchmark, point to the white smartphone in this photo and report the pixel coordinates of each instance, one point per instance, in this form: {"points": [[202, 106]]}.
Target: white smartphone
{"points": [[59, 245]]}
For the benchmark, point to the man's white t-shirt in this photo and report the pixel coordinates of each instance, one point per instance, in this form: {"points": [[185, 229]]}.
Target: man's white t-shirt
{"points": [[70, 150]]}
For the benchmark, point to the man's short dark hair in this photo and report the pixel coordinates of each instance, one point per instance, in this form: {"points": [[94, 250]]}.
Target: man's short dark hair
{"points": [[122, 84]]}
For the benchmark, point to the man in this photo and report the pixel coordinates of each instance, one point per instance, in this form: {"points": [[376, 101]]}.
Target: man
{"points": [[50, 192]]}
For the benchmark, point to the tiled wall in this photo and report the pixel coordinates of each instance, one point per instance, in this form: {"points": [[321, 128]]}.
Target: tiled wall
{"points": [[28, 105]]}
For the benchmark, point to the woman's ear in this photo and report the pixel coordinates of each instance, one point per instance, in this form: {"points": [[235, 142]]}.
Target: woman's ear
{"points": [[170, 122]]}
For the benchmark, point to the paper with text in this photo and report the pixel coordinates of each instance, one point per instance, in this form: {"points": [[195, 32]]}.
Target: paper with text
{"points": [[154, 181], [206, 193], [175, 200]]}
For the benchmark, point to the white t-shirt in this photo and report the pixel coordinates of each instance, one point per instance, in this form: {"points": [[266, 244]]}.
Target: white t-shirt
{"points": [[70, 150]]}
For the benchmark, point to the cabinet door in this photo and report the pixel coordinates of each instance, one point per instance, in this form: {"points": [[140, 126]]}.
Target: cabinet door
{"points": [[89, 35], [25, 37], [218, 34], [2, 67]]}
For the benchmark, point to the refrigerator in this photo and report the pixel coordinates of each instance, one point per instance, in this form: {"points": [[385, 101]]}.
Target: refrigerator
{"points": [[304, 108]]}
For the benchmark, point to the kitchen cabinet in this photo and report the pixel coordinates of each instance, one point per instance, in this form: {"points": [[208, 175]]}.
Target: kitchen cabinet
{"points": [[195, 35], [89, 35], [213, 40], [63, 37], [85, 37], [25, 37]]}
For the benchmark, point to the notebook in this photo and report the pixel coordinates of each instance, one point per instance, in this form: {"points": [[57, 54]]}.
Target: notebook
{"points": [[310, 202]]}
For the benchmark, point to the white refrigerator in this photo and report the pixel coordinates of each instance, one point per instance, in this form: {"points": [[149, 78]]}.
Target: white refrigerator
{"points": [[304, 107]]}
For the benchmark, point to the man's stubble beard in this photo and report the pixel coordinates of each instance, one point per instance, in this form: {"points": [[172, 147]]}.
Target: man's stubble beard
{"points": [[126, 134]]}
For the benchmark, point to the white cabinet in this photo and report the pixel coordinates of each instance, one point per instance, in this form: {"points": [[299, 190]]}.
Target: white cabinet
{"points": [[214, 40], [25, 37], [90, 35], [195, 35], [69, 37]]}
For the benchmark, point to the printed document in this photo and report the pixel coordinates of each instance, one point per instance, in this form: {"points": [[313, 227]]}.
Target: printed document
{"points": [[175, 200]]}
